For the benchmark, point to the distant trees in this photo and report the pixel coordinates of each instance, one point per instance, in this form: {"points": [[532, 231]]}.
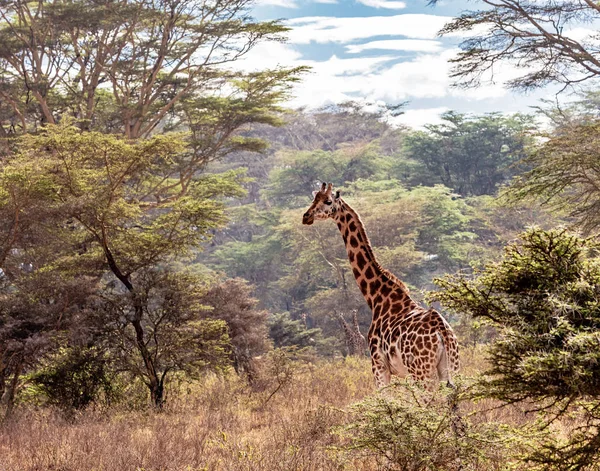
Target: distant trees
{"points": [[416, 233], [472, 155], [330, 127]]}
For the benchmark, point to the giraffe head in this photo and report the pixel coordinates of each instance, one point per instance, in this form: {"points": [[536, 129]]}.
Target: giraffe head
{"points": [[324, 205]]}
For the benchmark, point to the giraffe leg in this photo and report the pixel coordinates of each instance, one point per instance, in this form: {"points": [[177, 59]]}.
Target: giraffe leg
{"points": [[380, 370], [443, 364]]}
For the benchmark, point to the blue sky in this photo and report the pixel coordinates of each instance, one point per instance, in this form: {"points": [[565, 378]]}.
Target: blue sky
{"points": [[379, 51]]}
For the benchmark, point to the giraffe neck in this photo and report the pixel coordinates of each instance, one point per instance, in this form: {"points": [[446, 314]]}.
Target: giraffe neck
{"points": [[355, 321], [344, 325], [347, 333], [370, 276]]}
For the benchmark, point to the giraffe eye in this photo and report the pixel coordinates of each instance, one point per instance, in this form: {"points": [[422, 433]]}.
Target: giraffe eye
{"points": [[328, 202]]}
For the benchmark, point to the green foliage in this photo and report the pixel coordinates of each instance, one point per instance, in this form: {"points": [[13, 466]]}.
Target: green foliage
{"points": [[472, 155], [543, 298], [36, 311], [178, 335], [75, 377], [416, 231], [298, 171], [106, 180], [107, 205], [564, 173], [405, 427]]}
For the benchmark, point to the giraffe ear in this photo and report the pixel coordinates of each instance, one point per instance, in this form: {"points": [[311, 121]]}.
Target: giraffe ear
{"points": [[337, 194], [314, 194]]}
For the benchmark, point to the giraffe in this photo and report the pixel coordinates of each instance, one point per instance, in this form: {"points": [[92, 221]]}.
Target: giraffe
{"points": [[404, 338], [355, 341], [359, 338]]}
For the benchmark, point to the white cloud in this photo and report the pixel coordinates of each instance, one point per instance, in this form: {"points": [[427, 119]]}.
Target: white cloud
{"points": [[418, 45], [418, 118], [323, 29], [374, 79], [277, 3], [379, 78], [426, 76], [391, 4], [335, 80], [268, 55], [582, 35], [387, 76], [326, 1]]}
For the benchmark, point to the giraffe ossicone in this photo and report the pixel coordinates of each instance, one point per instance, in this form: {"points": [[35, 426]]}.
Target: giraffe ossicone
{"points": [[404, 338]]}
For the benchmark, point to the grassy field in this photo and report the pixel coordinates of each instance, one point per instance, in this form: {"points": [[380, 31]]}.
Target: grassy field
{"points": [[221, 424]]}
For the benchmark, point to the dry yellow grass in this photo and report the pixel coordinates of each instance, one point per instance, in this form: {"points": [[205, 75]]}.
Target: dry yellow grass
{"points": [[221, 424]]}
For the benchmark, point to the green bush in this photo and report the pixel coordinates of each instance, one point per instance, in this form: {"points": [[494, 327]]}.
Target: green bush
{"points": [[75, 377], [543, 297], [406, 427]]}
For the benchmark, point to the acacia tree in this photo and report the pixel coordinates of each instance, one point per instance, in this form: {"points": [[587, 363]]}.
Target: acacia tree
{"points": [[162, 328], [543, 298], [125, 65], [565, 173], [549, 41], [117, 206]]}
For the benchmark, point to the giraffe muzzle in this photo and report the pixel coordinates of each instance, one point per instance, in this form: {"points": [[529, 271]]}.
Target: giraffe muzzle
{"points": [[308, 219]]}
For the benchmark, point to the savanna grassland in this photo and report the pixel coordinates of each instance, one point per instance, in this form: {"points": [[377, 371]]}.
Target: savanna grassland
{"points": [[222, 423]]}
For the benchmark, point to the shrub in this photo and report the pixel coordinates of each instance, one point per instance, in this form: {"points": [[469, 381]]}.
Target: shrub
{"points": [[406, 427], [74, 378]]}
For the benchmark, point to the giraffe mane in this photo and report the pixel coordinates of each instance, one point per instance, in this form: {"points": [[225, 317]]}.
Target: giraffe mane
{"points": [[369, 249]]}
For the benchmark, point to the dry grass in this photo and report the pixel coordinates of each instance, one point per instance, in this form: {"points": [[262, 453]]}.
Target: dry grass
{"points": [[219, 425]]}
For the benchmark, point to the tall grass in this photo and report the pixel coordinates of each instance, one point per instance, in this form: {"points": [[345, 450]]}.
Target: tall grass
{"points": [[219, 424]]}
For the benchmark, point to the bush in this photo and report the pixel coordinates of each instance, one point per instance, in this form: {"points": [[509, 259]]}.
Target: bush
{"points": [[406, 427], [74, 378]]}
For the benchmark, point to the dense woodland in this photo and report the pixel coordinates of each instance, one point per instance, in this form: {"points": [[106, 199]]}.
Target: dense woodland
{"points": [[156, 279]]}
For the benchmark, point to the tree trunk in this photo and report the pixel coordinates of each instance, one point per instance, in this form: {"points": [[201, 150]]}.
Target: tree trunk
{"points": [[8, 398], [155, 383], [2, 382], [157, 393]]}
